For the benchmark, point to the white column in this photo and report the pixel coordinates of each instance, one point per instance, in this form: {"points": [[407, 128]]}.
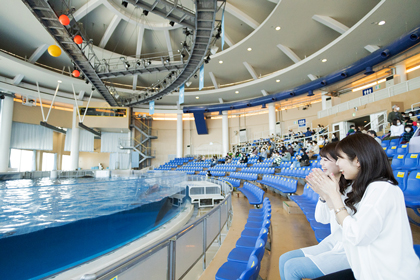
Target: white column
{"points": [[400, 71], [225, 133], [74, 150], [179, 135], [5, 132], [272, 118]]}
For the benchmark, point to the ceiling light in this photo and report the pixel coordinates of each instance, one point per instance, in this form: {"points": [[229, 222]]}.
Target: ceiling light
{"points": [[236, 92], [188, 83], [278, 28], [277, 81], [145, 12], [382, 22], [197, 97], [249, 49], [365, 86], [59, 81], [412, 69], [220, 61], [171, 23], [324, 60], [124, 3]]}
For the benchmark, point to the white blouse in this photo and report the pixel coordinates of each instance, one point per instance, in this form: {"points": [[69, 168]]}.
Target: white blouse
{"points": [[397, 130], [377, 239]]}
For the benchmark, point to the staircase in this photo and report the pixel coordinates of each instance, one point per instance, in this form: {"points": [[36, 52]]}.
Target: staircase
{"points": [[141, 141]]}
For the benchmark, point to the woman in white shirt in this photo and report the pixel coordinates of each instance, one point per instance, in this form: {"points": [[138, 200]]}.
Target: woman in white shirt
{"points": [[376, 234], [397, 129], [328, 256]]}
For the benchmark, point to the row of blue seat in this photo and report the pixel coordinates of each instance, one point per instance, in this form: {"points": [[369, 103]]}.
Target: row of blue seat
{"points": [[213, 173], [259, 170], [409, 182], [163, 168], [282, 184], [221, 167], [238, 165], [396, 150], [407, 162], [189, 168], [243, 262], [262, 164], [392, 142], [300, 172], [234, 182], [254, 194]]}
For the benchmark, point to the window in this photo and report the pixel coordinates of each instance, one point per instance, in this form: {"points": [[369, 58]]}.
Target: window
{"points": [[48, 161], [22, 160], [65, 163]]}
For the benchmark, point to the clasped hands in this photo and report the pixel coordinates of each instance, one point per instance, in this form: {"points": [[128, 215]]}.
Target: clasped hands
{"points": [[324, 185]]}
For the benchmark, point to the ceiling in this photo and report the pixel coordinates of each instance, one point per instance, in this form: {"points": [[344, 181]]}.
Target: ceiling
{"points": [[310, 31]]}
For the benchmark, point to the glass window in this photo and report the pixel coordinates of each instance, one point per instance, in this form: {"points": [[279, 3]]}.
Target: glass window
{"points": [[65, 162], [22, 160], [48, 161]]}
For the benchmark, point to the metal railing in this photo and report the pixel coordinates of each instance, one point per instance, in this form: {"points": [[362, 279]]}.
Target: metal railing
{"points": [[174, 257]]}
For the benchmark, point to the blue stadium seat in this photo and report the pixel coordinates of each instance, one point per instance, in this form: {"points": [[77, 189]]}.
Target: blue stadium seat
{"points": [[398, 162], [402, 149], [235, 270], [401, 176], [391, 150], [411, 162]]}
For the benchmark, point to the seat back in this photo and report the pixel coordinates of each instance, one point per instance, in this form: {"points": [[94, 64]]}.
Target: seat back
{"points": [[413, 184], [251, 269], [401, 177], [411, 161], [398, 161], [259, 249], [402, 149]]}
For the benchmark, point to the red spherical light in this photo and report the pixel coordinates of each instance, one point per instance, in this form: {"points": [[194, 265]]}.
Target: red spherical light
{"points": [[78, 39], [76, 73], [64, 20]]}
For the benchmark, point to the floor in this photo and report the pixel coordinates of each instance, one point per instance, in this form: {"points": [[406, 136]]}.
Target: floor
{"points": [[289, 232]]}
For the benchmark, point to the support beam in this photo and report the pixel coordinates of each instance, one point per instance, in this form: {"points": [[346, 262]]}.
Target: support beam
{"points": [[312, 77], [139, 41], [213, 80], [38, 53], [111, 28], [274, 1], [228, 40], [135, 79], [81, 95], [264, 93], [251, 70], [331, 23], [221, 100], [179, 135], [372, 48], [225, 133], [169, 45], [272, 119], [291, 54], [18, 79], [241, 15], [86, 8]]}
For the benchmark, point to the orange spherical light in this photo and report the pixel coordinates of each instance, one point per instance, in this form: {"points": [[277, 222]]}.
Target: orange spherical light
{"points": [[76, 73], [54, 50], [78, 39], [64, 20]]}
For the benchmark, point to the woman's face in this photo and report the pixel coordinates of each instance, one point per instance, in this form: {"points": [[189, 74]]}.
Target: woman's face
{"points": [[329, 165], [349, 168]]}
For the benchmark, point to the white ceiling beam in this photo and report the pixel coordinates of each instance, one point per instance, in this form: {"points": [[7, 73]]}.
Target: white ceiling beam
{"points": [[169, 45], [213, 80], [86, 8], [291, 54], [372, 48], [331, 23], [251, 70], [111, 28], [229, 40], [241, 16], [312, 77], [38, 53], [264, 92], [221, 100], [18, 79], [274, 1], [139, 41], [135, 77], [81, 95]]}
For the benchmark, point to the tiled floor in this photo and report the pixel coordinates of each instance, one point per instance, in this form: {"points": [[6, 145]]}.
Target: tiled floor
{"points": [[289, 232]]}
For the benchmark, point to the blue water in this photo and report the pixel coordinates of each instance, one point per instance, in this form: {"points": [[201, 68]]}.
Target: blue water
{"points": [[48, 226]]}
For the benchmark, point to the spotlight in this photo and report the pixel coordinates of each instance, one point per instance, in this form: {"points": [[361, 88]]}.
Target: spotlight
{"points": [[2, 96], [148, 62], [171, 23], [138, 63], [217, 36], [145, 12], [207, 60], [124, 3], [167, 60], [93, 88], [87, 81], [188, 83], [164, 82], [127, 65], [195, 76]]}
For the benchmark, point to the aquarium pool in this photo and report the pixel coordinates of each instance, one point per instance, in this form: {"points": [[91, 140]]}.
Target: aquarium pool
{"points": [[48, 226]]}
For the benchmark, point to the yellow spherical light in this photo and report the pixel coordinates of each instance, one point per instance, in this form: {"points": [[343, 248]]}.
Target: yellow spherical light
{"points": [[54, 50]]}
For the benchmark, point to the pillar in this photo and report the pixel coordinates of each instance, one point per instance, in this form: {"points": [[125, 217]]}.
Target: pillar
{"points": [[400, 71], [75, 137], [225, 133], [179, 135], [271, 119], [5, 132]]}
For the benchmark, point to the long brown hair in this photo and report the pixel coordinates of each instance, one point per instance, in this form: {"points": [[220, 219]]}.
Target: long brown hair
{"points": [[374, 165], [329, 150]]}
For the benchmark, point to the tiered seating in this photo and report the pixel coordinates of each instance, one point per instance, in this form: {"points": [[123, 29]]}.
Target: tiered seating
{"points": [[237, 165], [189, 168], [223, 167], [243, 262], [262, 164], [405, 162], [259, 170], [180, 161], [253, 160], [282, 184], [198, 164], [412, 193], [285, 164], [162, 167], [213, 173], [300, 172], [254, 194], [315, 163], [234, 182], [244, 176]]}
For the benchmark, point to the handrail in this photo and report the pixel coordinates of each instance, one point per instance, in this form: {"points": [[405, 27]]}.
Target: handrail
{"points": [[412, 105], [135, 258]]}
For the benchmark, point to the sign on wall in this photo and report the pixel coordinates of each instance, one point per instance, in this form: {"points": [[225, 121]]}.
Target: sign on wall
{"points": [[367, 91], [302, 122]]}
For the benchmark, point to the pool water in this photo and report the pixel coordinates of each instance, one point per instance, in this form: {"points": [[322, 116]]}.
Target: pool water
{"points": [[49, 225]]}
